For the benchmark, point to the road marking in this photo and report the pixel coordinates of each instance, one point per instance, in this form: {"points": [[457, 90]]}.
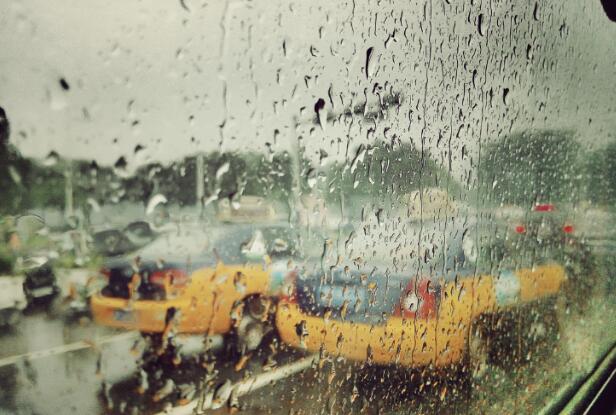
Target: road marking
{"points": [[65, 348], [244, 387]]}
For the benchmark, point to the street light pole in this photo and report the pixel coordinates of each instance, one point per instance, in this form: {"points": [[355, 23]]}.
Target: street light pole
{"points": [[69, 209], [199, 181]]}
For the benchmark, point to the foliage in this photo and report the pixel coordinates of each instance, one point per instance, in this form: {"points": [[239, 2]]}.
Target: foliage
{"points": [[226, 174], [7, 259], [388, 171], [531, 167], [600, 172]]}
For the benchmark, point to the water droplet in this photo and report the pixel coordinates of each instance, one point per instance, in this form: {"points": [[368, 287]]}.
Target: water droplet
{"points": [[120, 167], [184, 6], [51, 159], [359, 158], [154, 201], [322, 157], [319, 109], [222, 170], [480, 24], [311, 178], [369, 63], [536, 12], [563, 30], [65, 86], [390, 38]]}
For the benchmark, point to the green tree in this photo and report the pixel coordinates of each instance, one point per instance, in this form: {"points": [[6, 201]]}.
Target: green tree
{"points": [[14, 171], [387, 171], [600, 175], [531, 167]]}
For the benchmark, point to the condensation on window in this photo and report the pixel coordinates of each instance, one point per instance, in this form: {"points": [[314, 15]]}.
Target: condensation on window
{"points": [[304, 207]]}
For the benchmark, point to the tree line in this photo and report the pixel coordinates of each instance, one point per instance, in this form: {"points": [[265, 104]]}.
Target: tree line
{"points": [[520, 168]]}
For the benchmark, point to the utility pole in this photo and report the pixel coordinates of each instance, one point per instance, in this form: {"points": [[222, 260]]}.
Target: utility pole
{"points": [[69, 209], [199, 182], [296, 155]]}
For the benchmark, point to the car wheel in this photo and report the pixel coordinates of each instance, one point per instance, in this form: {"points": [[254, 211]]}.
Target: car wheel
{"points": [[13, 317], [478, 354], [575, 340], [159, 355], [53, 306], [28, 295], [250, 334], [469, 374], [583, 279]]}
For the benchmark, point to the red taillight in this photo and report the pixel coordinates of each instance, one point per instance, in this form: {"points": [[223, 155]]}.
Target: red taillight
{"points": [[175, 276], [420, 302], [287, 291], [568, 229], [292, 298], [520, 229], [547, 207]]}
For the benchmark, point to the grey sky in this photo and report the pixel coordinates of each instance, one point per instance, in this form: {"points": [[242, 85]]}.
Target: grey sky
{"points": [[240, 72]]}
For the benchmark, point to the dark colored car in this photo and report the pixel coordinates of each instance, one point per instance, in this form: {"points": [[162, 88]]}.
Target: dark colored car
{"points": [[40, 280], [546, 234], [198, 281], [113, 242], [544, 228], [180, 254]]}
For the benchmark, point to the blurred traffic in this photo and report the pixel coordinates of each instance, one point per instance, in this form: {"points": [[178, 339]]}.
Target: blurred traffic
{"points": [[204, 299]]}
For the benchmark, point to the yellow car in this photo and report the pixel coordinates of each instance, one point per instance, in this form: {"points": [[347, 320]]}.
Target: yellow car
{"points": [[190, 283], [393, 306], [422, 324]]}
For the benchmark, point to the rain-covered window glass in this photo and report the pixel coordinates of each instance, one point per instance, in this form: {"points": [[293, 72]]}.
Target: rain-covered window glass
{"points": [[302, 207]]}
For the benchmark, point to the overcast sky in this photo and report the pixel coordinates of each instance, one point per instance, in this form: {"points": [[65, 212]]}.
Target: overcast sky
{"points": [[242, 74]]}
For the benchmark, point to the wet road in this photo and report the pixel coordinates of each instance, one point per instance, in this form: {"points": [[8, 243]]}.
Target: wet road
{"points": [[61, 380]]}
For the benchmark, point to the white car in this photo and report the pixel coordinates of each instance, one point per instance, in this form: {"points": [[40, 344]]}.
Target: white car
{"points": [[247, 209], [12, 299], [432, 203]]}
